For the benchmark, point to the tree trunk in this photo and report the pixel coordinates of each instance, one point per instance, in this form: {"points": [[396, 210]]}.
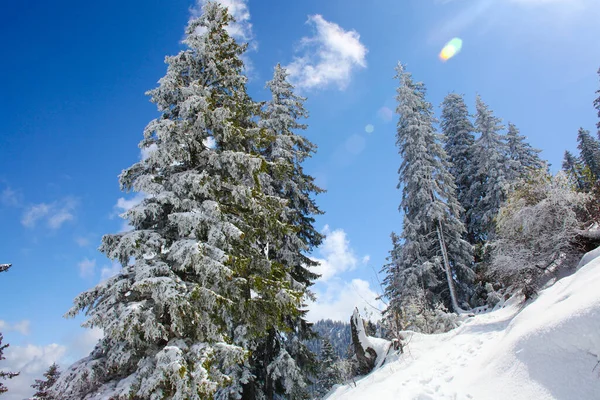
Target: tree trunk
{"points": [[365, 357], [449, 277]]}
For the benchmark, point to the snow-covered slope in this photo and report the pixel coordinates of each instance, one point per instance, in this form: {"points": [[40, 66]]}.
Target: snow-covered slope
{"points": [[550, 349]]}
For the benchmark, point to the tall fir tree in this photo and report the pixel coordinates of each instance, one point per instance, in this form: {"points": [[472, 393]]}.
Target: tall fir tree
{"points": [[597, 107], [489, 170], [430, 255], [42, 386], [458, 134], [522, 157], [329, 374], [575, 171], [589, 152], [198, 287], [282, 361], [4, 374]]}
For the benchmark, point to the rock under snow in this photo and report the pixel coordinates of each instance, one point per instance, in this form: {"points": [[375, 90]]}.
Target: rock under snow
{"points": [[548, 349]]}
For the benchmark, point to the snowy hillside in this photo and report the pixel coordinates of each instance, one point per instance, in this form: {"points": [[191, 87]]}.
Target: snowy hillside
{"points": [[550, 349]]}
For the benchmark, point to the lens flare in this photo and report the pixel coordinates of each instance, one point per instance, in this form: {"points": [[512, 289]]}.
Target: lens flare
{"points": [[451, 49]]}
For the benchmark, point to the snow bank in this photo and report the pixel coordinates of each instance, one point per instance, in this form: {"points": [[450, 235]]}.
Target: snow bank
{"points": [[546, 350]]}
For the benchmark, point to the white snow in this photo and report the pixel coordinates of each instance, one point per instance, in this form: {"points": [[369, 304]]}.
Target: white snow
{"points": [[547, 349]]}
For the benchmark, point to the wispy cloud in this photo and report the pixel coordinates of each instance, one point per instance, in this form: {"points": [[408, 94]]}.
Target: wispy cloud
{"points": [[23, 327], [10, 197], [87, 268], [54, 214], [32, 360], [329, 57]]}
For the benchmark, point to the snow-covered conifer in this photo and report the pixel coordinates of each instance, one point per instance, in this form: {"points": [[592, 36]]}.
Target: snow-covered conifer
{"points": [[329, 374], [589, 150], [42, 386], [198, 287], [458, 134], [281, 360], [575, 171], [521, 156], [488, 170], [430, 255], [597, 107]]}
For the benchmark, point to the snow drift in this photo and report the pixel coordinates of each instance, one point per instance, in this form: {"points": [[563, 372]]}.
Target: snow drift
{"points": [[547, 349]]}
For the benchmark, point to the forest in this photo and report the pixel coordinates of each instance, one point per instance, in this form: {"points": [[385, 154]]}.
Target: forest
{"points": [[216, 275]]}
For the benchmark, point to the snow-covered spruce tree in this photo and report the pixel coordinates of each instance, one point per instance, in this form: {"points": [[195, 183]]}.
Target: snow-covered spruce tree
{"points": [[458, 134], [430, 254], [522, 158], [597, 107], [197, 287], [488, 170], [329, 374], [536, 230], [42, 386], [576, 172], [281, 361], [589, 152]]}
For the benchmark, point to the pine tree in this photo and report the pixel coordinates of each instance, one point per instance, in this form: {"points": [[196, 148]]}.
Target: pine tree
{"points": [[42, 386], [329, 374], [597, 107], [4, 374], [589, 151], [282, 360], [458, 134], [430, 254], [488, 170], [198, 287], [522, 158], [574, 170]]}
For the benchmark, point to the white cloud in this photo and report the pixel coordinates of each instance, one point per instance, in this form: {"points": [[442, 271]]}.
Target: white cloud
{"points": [[23, 327], [109, 271], [31, 361], [330, 56], [87, 268], [336, 255], [366, 259], [54, 214], [339, 299]]}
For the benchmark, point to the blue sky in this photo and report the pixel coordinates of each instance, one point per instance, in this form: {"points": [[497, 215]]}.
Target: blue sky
{"points": [[73, 110]]}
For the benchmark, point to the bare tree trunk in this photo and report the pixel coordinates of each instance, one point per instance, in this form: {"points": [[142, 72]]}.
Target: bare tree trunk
{"points": [[449, 278]]}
